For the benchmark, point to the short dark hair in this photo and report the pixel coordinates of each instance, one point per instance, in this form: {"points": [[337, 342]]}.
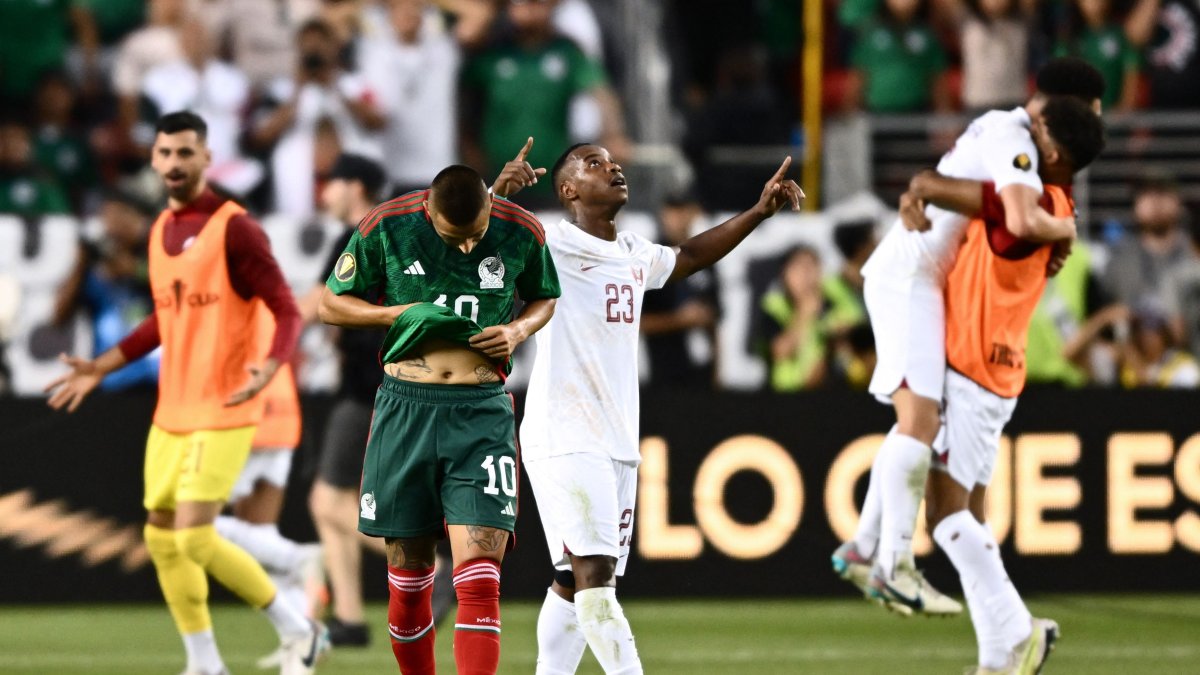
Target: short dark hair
{"points": [[362, 170], [184, 120], [458, 194], [851, 236], [1070, 76], [317, 25], [1075, 128], [556, 171]]}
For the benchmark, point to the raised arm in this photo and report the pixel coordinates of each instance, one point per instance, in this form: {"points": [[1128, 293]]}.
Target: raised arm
{"points": [[706, 248]]}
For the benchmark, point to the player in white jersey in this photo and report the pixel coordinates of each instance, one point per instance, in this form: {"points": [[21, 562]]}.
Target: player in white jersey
{"points": [[579, 437], [903, 292]]}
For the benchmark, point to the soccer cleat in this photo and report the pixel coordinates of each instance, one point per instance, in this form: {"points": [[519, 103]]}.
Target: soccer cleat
{"points": [[852, 566], [1030, 655], [299, 655], [907, 591], [272, 660]]}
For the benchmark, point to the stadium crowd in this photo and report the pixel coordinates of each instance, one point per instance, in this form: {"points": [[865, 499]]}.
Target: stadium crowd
{"points": [[288, 86]]}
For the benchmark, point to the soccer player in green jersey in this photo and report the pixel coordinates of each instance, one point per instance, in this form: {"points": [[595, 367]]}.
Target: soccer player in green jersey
{"points": [[440, 268]]}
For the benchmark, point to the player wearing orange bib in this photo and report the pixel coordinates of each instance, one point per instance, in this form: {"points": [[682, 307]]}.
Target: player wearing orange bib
{"points": [[990, 297], [256, 501], [212, 277]]}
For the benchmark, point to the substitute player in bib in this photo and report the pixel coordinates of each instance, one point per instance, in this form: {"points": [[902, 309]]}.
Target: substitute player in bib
{"points": [[212, 274], [903, 292], [256, 500], [579, 436], [991, 295], [441, 456]]}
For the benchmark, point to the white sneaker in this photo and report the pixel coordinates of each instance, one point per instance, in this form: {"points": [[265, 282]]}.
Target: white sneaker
{"points": [[299, 655], [907, 591]]}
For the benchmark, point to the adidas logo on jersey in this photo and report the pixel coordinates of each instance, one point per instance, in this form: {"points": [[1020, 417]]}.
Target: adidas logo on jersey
{"points": [[415, 268], [508, 510]]}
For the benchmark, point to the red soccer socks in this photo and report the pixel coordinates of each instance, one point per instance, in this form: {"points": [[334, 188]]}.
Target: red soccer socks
{"points": [[477, 626], [410, 619]]}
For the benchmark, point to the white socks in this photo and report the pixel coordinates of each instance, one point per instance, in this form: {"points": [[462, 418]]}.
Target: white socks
{"points": [[560, 641], [607, 631], [264, 543], [288, 619], [1000, 617], [903, 465], [202, 654], [866, 536]]}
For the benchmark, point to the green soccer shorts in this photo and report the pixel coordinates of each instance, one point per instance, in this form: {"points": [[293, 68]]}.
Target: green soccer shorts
{"points": [[439, 455]]}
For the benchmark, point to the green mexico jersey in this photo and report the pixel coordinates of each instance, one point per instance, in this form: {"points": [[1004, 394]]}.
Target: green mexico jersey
{"points": [[397, 258]]}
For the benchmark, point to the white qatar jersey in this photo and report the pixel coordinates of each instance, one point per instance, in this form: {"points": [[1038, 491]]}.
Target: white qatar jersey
{"points": [[583, 390], [995, 147]]}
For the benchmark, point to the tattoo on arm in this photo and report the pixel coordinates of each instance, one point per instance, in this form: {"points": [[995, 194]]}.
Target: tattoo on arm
{"points": [[486, 374], [413, 369], [488, 539]]}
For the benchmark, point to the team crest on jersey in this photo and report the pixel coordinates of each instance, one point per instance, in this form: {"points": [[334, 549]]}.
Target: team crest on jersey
{"points": [[345, 268], [637, 275], [367, 506], [1022, 162], [491, 272]]}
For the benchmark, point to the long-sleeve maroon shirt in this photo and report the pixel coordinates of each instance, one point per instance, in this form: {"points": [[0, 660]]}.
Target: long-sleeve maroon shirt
{"points": [[253, 272]]}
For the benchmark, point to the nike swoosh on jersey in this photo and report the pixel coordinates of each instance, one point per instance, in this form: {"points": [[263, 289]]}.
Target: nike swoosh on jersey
{"points": [[588, 267]]}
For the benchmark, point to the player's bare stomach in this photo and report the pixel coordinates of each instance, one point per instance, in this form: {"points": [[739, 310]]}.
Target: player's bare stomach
{"points": [[441, 362]]}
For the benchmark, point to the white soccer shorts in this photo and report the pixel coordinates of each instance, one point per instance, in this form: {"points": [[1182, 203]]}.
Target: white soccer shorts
{"points": [[586, 502], [974, 418], [908, 318], [272, 466]]}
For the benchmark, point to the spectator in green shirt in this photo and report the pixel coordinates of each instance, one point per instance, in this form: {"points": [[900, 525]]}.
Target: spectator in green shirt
{"points": [[897, 63], [524, 86], [24, 189], [796, 308], [1096, 37], [59, 147], [34, 37]]}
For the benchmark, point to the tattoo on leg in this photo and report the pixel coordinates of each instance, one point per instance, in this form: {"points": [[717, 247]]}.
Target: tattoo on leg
{"points": [[409, 554], [412, 369], [486, 374], [488, 539]]}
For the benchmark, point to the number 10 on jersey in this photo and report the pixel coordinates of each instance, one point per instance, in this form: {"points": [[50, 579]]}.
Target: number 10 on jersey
{"points": [[464, 305], [507, 468]]}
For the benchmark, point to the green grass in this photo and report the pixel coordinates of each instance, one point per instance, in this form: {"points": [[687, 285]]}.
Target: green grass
{"points": [[1121, 634]]}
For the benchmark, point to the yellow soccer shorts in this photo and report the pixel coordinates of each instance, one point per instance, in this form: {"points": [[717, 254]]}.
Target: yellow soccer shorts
{"points": [[196, 466]]}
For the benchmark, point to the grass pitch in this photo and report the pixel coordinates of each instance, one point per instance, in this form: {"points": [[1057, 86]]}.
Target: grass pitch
{"points": [[1118, 634]]}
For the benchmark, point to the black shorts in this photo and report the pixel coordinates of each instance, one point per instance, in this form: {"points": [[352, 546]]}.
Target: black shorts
{"points": [[345, 443]]}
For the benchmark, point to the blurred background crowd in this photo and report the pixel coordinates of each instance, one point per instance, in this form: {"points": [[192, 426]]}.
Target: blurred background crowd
{"points": [[699, 99]]}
